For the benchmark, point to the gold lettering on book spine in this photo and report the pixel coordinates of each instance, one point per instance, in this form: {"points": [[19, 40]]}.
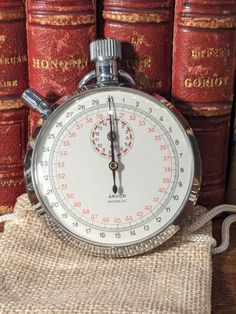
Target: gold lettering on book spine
{"points": [[11, 16], [6, 84], [139, 64], [137, 40], [62, 20], [137, 18], [205, 111], [54, 64], [10, 104], [211, 53], [2, 38], [206, 82], [5, 210], [229, 22], [13, 60], [15, 182]]}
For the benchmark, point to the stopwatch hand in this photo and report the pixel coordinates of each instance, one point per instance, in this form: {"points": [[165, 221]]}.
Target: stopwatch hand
{"points": [[114, 188], [113, 165]]}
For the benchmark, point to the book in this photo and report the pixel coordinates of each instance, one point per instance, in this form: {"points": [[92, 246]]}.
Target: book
{"points": [[145, 30], [202, 83], [231, 189], [100, 21], [59, 33], [13, 115]]}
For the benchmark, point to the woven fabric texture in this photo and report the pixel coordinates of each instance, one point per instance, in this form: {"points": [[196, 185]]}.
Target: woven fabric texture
{"points": [[40, 273]]}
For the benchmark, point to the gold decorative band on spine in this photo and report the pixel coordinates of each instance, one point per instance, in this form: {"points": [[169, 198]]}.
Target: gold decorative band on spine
{"points": [[201, 111], [11, 182], [216, 192], [6, 210], [62, 20], [11, 104], [137, 17], [207, 22], [11, 16]]}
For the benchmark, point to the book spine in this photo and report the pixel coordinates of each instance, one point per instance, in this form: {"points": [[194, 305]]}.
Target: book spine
{"points": [[231, 189], [13, 115], [100, 21], [145, 28], [59, 33], [13, 141], [202, 83]]}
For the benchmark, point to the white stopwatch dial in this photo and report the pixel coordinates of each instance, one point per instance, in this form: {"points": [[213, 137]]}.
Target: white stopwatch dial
{"points": [[115, 168]]}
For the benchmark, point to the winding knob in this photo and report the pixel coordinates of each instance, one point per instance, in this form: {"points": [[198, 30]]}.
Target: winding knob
{"points": [[102, 49]]}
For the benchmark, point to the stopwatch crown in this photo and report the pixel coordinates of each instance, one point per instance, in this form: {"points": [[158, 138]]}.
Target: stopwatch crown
{"points": [[105, 49]]}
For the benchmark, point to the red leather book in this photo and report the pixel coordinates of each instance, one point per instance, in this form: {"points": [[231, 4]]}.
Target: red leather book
{"points": [[231, 188], [202, 83], [100, 21], [13, 116], [13, 140], [59, 33], [145, 28]]}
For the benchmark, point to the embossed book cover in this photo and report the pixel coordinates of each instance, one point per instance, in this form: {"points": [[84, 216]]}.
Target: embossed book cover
{"points": [[59, 33], [231, 188], [202, 83], [13, 115], [145, 30]]}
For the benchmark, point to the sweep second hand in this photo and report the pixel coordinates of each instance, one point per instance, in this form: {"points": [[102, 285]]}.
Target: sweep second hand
{"points": [[113, 165]]}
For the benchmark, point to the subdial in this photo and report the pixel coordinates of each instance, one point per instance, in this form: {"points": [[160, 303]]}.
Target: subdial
{"points": [[122, 136]]}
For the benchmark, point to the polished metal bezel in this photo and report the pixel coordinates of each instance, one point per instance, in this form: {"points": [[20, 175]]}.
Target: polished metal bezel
{"points": [[111, 251]]}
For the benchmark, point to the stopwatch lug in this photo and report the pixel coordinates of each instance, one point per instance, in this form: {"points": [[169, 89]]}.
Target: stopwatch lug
{"points": [[39, 209], [126, 76], [88, 77], [36, 102]]}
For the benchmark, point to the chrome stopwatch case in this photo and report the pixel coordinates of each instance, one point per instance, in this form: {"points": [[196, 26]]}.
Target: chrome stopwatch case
{"points": [[114, 169]]}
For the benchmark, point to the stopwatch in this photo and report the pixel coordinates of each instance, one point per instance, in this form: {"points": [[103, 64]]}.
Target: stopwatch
{"points": [[114, 169]]}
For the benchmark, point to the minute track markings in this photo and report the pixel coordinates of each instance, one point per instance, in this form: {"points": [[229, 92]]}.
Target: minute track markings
{"points": [[135, 110], [68, 130], [161, 155], [111, 229], [91, 222]]}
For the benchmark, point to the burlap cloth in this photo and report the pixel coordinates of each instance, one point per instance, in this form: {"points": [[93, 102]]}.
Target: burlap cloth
{"points": [[41, 274]]}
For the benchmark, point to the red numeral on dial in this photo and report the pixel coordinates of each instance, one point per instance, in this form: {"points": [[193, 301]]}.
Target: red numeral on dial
{"points": [[63, 153], [70, 195], [117, 220], [89, 120], [86, 211], [105, 220], [140, 214], [128, 218], [77, 204], [72, 134], [165, 180], [157, 138], [66, 143], [148, 207], [61, 176], [163, 147]]}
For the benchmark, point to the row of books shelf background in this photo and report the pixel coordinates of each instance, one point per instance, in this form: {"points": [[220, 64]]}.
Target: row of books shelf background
{"points": [[183, 50]]}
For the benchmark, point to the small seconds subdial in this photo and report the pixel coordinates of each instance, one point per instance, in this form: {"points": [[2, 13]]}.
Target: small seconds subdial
{"points": [[123, 139]]}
